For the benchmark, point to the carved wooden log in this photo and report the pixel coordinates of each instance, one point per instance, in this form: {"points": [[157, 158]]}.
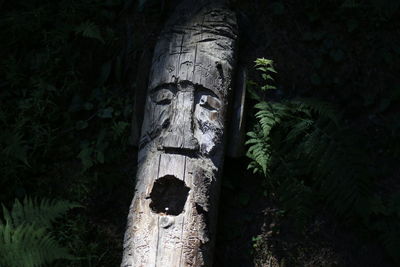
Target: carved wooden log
{"points": [[172, 217]]}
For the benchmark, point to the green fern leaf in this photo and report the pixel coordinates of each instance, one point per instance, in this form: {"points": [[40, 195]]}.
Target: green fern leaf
{"points": [[41, 213], [25, 237], [28, 246], [15, 146], [89, 30]]}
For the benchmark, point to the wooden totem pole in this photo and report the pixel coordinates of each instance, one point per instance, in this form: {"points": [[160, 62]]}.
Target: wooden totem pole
{"points": [[173, 214]]}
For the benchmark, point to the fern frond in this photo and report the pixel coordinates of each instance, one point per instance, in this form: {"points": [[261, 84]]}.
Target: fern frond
{"points": [[297, 199], [25, 236], [313, 163], [259, 153], [269, 115], [15, 146], [28, 246], [41, 213], [322, 109], [89, 30], [299, 129], [351, 4]]}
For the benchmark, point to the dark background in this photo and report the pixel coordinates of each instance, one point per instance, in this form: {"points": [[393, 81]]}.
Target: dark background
{"points": [[325, 190]]}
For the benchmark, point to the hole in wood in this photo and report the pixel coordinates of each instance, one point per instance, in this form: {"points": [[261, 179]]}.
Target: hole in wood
{"points": [[168, 195]]}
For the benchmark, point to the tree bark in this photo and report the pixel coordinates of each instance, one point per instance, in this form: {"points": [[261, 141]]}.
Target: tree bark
{"points": [[173, 214]]}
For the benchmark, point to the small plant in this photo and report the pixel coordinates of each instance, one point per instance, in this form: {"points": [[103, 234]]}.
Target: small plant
{"points": [[314, 162], [25, 234]]}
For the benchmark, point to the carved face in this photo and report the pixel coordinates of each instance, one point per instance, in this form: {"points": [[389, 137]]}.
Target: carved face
{"points": [[183, 118]]}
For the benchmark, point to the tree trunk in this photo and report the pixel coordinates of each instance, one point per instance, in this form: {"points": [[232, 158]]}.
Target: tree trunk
{"points": [[173, 214]]}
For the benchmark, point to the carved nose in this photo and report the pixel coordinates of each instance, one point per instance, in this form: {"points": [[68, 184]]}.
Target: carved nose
{"points": [[180, 134], [178, 141]]}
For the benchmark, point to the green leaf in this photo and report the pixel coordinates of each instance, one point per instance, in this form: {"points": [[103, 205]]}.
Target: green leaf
{"points": [[80, 125], [105, 73], [244, 199], [141, 4], [313, 16], [352, 24], [88, 106], [263, 62], [106, 113], [86, 157], [337, 55], [89, 30], [119, 128], [100, 156], [308, 36], [15, 146], [268, 87], [278, 8], [350, 4], [40, 213], [25, 237], [315, 79]]}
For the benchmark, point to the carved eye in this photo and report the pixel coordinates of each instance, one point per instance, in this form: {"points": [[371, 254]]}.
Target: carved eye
{"points": [[209, 102], [162, 97]]}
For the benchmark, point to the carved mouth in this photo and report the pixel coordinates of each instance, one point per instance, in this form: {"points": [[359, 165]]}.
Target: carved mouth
{"points": [[169, 195]]}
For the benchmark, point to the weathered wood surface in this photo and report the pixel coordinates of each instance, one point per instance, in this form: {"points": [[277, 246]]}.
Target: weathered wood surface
{"points": [[172, 217]]}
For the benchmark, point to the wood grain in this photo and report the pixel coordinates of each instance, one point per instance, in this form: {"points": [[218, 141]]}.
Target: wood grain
{"points": [[172, 217]]}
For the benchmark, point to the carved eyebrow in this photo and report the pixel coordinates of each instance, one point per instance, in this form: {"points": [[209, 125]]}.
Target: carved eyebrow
{"points": [[173, 88], [164, 86], [199, 88]]}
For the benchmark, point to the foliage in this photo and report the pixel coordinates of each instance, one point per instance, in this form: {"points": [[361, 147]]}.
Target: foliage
{"points": [[65, 111], [56, 83], [314, 162], [26, 239]]}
